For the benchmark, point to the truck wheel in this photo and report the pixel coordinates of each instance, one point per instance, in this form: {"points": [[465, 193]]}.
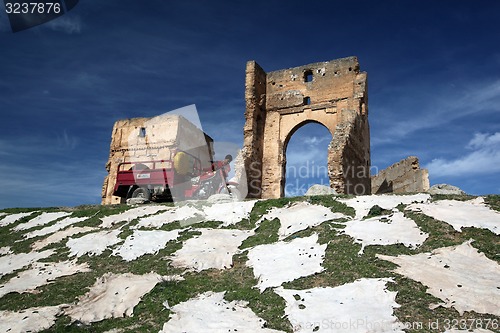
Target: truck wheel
{"points": [[141, 192]]}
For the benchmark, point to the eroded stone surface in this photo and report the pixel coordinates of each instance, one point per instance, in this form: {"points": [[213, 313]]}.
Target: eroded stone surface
{"points": [[320, 190], [143, 140], [332, 93], [445, 189], [404, 176]]}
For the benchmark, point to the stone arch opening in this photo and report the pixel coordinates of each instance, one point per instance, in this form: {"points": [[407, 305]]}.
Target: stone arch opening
{"points": [[305, 157], [278, 103]]}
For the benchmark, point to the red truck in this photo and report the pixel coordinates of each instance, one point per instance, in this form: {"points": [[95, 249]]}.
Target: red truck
{"points": [[180, 178]]}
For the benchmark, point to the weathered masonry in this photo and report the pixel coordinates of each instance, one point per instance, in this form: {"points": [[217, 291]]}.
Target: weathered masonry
{"points": [[404, 176], [143, 140], [333, 94]]}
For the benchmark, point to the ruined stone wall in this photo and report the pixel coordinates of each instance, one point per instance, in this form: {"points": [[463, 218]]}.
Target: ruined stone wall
{"points": [[349, 156], [333, 94], [253, 131], [404, 176], [151, 139]]}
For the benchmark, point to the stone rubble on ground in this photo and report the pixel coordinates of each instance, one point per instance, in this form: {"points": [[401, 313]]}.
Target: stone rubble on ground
{"points": [[445, 189], [317, 189]]}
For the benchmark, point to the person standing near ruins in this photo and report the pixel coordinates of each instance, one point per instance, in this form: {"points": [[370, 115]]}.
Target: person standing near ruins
{"points": [[224, 165]]}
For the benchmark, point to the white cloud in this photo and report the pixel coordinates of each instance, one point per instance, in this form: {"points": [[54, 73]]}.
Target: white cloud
{"points": [[68, 25], [482, 140], [436, 110], [314, 140], [484, 158]]}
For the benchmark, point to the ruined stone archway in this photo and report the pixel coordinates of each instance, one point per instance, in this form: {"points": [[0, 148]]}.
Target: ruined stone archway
{"points": [[305, 153], [332, 93]]}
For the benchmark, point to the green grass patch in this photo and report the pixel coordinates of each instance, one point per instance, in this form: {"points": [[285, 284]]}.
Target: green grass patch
{"points": [[342, 264]]}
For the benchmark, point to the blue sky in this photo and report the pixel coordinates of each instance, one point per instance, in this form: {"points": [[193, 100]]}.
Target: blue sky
{"points": [[433, 77]]}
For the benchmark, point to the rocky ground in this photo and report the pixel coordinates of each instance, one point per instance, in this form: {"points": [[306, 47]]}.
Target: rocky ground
{"points": [[386, 263]]}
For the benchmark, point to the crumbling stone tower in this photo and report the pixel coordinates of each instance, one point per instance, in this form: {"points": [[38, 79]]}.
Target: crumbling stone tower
{"points": [[333, 94]]}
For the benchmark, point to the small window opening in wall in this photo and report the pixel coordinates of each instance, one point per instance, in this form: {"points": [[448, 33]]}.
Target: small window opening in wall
{"points": [[307, 100], [142, 132], [308, 76]]}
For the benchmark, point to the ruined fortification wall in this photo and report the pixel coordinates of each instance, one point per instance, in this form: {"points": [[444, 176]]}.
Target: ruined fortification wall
{"points": [[404, 176], [253, 131], [333, 94], [151, 139]]}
